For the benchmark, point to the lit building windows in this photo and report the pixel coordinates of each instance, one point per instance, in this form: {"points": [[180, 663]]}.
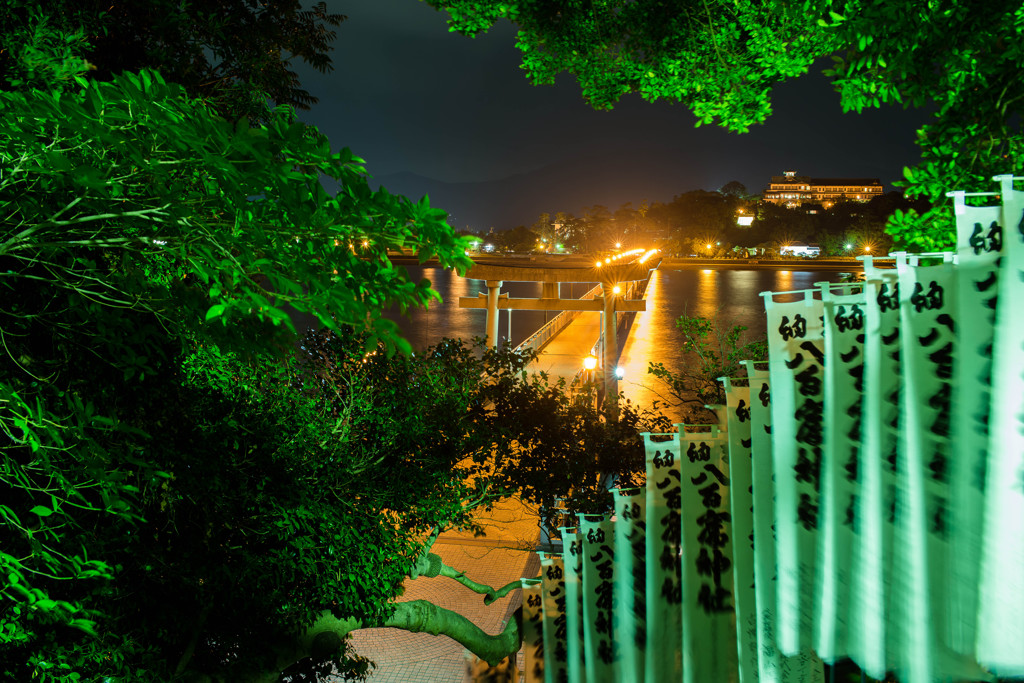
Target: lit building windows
{"points": [[791, 189]]}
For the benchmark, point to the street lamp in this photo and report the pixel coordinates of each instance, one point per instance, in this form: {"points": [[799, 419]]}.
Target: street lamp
{"points": [[590, 362], [620, 372]]}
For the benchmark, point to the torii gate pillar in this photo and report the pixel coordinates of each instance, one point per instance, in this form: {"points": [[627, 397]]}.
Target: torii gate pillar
{"points": [[611, 344], [493, 292]]}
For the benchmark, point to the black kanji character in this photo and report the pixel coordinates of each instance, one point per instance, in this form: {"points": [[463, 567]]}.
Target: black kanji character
{"points": [[797, 330], [886, 301], [811, 348], [742, 412], [697, 453], [853, 321], [807, 513]]}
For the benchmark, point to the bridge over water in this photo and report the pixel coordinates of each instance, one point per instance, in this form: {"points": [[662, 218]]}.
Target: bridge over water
{"points": [[584, 326]]}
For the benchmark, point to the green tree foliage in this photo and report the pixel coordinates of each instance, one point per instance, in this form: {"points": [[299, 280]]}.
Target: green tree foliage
{"points": [[776, 225], [568, 230], [518, 239], [197, 46], [734, 188], [959, 59], [182, 496], [565, 448], [713, 349], [142, 237]]}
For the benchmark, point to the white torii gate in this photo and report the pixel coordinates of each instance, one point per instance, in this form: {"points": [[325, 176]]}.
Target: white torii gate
{"points": [[496, 273]]}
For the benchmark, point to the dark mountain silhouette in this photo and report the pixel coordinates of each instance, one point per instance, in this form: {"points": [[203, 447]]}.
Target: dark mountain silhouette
{"points": [[608, 179]]}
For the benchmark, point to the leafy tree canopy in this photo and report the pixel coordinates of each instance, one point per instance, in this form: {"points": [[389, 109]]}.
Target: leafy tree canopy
{"points": [[181, 495], [959, 58], [714, 349], [234, 54], [150, 252]]}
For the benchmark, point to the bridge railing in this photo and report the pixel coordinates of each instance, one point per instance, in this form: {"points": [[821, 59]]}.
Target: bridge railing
{"points": [[538, 339]]}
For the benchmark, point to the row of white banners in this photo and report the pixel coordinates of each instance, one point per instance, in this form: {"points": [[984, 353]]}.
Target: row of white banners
{"points": [[862, 496]]}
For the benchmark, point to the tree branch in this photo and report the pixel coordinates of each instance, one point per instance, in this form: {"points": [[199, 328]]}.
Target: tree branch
{"points": [[489, 593], [326, 636], [153, 214], [420, 616]]}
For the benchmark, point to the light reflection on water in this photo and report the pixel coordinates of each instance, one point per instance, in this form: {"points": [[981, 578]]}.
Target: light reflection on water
{"points": [[424, 328], [731, 295]]}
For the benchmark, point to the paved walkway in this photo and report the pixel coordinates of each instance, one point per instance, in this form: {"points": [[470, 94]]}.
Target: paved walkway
{"points": [[563, 356], [503, 555], [404, 657]]}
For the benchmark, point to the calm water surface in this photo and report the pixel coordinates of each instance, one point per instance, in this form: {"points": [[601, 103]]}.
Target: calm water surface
{"points": [[732, 295]]}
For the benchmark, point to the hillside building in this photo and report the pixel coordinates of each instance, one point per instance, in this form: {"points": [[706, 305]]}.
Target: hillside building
{"points": [[792, 190]]}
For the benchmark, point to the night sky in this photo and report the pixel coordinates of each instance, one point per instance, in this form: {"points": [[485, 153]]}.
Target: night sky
{"points": [[437, 113]]}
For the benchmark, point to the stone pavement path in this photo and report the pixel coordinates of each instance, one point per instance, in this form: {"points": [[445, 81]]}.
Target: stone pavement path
{"points": [[504, 555]]}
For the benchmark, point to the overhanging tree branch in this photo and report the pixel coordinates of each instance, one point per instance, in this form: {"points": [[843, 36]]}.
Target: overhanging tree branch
{"points": [[327, 634]]}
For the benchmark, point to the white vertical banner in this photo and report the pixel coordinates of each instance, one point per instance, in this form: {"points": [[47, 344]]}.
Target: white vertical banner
{"points": [[573, 574], [599, 645], [763, 495], [552, 572], [1000, 638], [533, 631], [979, 244], [741, 505], [630, 610], [773, 666], [873, 634], [663, 657], [795, 360], [927, 331], [843, 306], [709, 622]]}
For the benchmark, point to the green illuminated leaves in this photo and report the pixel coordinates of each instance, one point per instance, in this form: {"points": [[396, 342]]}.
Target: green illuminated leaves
{"points": [[149, 255], [215, 311], [958, 60], [263, 181]]}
